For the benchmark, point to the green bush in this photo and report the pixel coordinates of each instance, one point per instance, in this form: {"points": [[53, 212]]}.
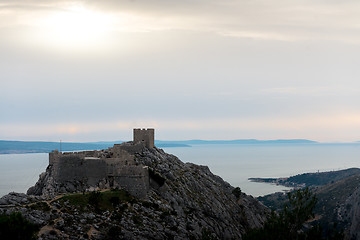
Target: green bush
{"points": [[115, 201], [95, 198], [287, 224], [156, 177], [237, 192], [16, 227], [113, 233], [107, 200]]}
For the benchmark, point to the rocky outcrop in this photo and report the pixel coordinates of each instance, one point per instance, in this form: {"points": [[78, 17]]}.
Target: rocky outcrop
{"points": [[190, 187], [185, 201], [46, 185]]}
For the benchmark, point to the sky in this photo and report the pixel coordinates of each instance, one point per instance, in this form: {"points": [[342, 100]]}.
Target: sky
{"points": [[199, 69]]}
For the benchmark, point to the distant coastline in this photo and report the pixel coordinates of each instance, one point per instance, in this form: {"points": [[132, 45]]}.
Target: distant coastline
{"points": [[309, 179], [21, 147]]}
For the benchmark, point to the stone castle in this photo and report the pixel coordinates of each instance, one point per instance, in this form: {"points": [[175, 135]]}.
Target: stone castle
{"points": [[114, 167]]}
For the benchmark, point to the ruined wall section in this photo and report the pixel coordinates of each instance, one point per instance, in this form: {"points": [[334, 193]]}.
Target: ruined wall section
{"points": [[77, 168], [135, 179], [120, 160], [129, 147]]}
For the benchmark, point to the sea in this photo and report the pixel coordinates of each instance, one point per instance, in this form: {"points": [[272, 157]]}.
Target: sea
{"points": [[235, 163]]}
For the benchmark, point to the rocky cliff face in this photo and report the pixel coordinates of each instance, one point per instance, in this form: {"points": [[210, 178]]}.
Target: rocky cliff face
{"points": [[185, 201]]}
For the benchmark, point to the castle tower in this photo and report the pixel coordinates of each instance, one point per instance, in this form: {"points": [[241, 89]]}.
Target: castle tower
{"points": [[145, 136]]}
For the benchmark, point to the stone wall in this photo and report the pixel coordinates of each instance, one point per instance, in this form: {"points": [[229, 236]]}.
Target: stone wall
{"points": [[118, 149], [135, 179]]}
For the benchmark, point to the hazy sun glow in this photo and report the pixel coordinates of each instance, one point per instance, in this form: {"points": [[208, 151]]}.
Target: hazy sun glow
{"points": [[76, 27]]}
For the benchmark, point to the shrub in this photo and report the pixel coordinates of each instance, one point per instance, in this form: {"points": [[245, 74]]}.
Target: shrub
{"points": [[16, 227], [115, 201], [156, 177], [94, 199], [237, 192], [287, 224]]}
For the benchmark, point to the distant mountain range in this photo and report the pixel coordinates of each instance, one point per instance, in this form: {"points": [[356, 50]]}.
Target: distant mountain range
{"points": [[8, 147], [11, 147], [239, 141]]}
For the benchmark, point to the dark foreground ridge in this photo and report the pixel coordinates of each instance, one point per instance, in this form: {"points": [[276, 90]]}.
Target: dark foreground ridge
{"points": [[338, 198], [133, 191]]}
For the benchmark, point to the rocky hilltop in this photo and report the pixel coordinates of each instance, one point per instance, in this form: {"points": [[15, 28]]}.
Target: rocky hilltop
{"points": [[182, 201]]}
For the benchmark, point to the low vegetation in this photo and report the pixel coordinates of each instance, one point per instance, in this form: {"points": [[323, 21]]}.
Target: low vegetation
{"points": [[293, 221], [16, 227], [156, 177], [102, 201], [237, 192], [334, 205]]}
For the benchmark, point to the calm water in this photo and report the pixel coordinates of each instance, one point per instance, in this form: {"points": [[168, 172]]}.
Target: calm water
{"points": [[234, 163], [18, 172]]}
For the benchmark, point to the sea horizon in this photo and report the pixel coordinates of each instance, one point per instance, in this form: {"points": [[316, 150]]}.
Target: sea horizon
{"points": [[235, 163]]}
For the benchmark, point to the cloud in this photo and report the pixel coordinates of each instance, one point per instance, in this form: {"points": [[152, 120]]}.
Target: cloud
{"points": [[336, 90], [201, 68], [279, 21]]}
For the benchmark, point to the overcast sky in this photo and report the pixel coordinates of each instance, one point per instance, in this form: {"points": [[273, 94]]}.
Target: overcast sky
{"points": [[199, 69]]}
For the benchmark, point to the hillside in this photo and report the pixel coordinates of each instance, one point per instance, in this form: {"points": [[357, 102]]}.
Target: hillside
{"points": [[186, 201], [338, 203], [338, 195], [310, 179], [323, 178]]}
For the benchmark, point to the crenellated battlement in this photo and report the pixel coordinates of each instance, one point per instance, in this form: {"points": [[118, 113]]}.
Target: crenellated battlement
{"points": [[145, 136]]}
